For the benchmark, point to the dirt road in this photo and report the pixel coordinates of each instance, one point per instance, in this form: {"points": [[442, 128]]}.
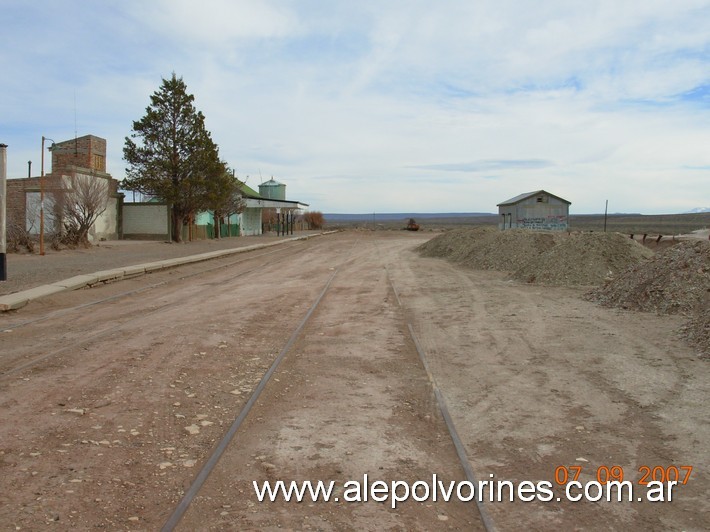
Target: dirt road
{"points": [[109, 409]]}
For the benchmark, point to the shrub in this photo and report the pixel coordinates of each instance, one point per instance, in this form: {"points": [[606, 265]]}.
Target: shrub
{"points": [[314, 219]]}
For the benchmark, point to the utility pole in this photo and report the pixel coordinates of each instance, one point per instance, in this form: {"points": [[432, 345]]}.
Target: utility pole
{"points": [[41, 204], [41, 201], [606, 208], [3, 212]]}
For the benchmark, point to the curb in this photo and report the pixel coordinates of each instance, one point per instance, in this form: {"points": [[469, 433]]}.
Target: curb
{"points": [[20, 299]]}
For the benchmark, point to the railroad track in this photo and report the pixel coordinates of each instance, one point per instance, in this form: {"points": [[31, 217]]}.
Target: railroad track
{"points": [[254, 266], [444, 409], [214, 458], [217, 453]]}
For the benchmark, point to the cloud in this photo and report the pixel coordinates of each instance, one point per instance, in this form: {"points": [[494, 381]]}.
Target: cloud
{"points": [[215, 22], [488, 165], [400, 105]]}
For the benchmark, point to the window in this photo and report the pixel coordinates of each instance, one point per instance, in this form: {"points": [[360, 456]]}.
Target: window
{"points": [[98, 162]]}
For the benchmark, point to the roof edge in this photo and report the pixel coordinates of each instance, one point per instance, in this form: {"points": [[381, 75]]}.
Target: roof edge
{"points": [[526, 195]]}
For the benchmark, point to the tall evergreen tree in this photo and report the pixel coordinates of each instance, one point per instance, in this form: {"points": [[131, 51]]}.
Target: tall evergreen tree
{"points": [[176, 159]]}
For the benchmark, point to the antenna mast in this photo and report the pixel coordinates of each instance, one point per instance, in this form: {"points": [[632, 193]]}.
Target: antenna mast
{"points": [[75, 128]]}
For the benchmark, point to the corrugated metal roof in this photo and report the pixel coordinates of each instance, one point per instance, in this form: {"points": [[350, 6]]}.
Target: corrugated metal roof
{"points": [[250, 192], [526, 195]]}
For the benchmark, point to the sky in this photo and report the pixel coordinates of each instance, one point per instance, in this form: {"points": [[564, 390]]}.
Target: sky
{"points": [[386, 106]]}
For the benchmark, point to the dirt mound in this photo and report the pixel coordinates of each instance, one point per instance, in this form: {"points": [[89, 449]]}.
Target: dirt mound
{"points": [[454, 244], [675, 281], [487, 248], [583, 259], [534, 256]]}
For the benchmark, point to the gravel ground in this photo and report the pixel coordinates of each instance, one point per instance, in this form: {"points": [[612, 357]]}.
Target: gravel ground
{"points": [[26, 270], [123, 402]]}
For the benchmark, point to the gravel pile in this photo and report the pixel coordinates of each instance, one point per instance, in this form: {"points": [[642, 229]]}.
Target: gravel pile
{"points": [[584, 259], [538, 257], [675, 281], [697, 330], [487, 248]]}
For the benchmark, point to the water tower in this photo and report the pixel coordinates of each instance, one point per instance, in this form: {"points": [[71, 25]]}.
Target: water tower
{"points": [[273, 190]]}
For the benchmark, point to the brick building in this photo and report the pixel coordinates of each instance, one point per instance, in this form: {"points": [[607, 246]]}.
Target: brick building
{"points": [[79, 158]]}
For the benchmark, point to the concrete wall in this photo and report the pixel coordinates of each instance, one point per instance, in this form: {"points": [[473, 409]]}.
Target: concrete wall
{"points": [[32, 212], [541, 212], [146, 221], [106, 225], [250, 221]]}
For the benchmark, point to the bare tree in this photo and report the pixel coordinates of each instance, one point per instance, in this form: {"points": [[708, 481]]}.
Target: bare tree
{"points": [[80, 204], [234, 204], [18, 237]]}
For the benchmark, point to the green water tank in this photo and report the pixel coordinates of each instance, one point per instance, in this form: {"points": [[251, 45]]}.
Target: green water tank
{"points": [[273, 190]]}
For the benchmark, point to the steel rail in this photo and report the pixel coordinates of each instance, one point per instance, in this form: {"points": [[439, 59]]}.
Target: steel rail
{"points": [[444, 409], [195, 487], [216, 455]]}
